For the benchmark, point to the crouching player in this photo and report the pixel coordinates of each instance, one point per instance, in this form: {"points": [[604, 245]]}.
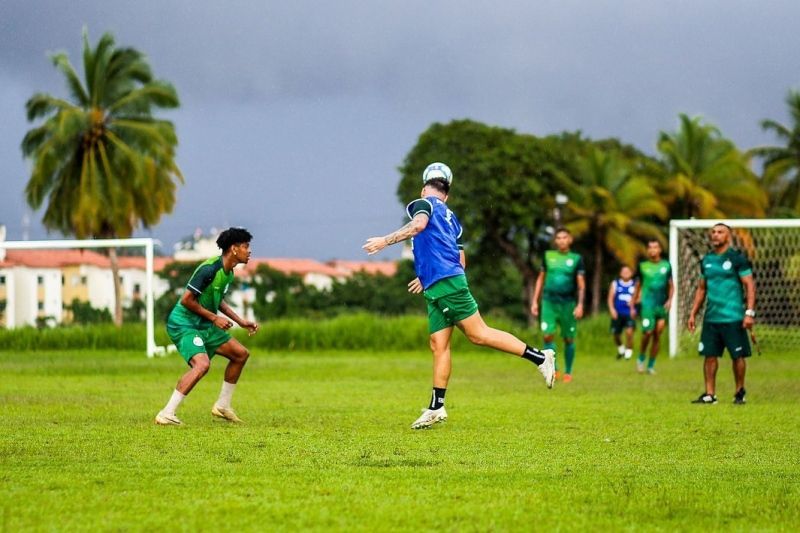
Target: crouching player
{"points": [[199, 332]]}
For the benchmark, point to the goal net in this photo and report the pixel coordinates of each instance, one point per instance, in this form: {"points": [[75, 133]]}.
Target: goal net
{"points": [[49, 283], [773, 247]]}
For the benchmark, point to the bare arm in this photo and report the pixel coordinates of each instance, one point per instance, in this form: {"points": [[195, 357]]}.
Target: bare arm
{"points": [[190, 302], [462, 258], [413, 228], [537, 292], [670, 292], [637, 293], [228, 311], [581, 279], [610, 300], [699, 298], [750, 298], [637, 296]]}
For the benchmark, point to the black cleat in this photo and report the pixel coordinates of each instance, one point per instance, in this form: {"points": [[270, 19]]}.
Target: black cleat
{"points": [[738, 398], [706, 399]]}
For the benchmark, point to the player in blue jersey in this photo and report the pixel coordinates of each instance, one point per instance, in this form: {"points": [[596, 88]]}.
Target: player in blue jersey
{"points": [[439, 262], [620, 306]]}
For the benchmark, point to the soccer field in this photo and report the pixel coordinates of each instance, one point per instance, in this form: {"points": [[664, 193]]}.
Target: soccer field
{"points": [[327, 445]]}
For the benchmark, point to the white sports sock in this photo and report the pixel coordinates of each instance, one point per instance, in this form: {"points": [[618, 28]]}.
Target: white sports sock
{"points": [[173, 402], [621, 349], [225, 394], [628, 353]]}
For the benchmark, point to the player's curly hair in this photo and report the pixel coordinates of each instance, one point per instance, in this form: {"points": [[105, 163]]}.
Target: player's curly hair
{"points": [[232, 236], [439, 184]]}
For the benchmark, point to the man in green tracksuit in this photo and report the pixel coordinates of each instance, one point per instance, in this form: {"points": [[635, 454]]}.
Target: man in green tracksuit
{"points": [[562, 285], [726, 285]]}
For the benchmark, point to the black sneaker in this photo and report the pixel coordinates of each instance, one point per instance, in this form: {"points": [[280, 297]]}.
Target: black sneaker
{"points": [[708, 399], [738, 398]]}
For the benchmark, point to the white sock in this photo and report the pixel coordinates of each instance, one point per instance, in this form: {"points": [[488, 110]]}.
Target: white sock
{"points": [[225, 394], [628, 353], [173, 402], [621, 349]]}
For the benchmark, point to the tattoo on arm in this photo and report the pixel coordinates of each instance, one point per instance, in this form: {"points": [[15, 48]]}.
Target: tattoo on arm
{"points": [[406, 232]]}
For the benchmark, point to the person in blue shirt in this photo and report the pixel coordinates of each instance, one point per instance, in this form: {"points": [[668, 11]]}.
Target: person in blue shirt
{"points": [[439, 262], [620, 306]]}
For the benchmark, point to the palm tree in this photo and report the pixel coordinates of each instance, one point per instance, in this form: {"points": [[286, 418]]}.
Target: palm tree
{"points": [[705, 175], [614, 206], [781, 177], [100, 160]]}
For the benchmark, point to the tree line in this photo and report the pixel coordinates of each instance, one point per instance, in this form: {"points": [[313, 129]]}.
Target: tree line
{"points": [[508, 185], [103, 165]]}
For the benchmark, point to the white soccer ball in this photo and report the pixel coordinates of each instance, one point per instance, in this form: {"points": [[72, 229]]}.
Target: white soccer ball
{"points": [[437, 171]]}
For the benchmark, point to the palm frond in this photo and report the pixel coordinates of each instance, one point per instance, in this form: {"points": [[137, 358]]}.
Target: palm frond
{"points": [[76, 89], [141, 100]]}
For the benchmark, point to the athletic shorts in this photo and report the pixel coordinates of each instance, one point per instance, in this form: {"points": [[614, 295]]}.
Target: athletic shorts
{"points": [[621, 323], [449, 302], [559, 314], [718, 336], [191, 342], [651, 316]]}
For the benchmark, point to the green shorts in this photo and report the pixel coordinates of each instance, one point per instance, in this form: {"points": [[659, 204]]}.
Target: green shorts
{"points": [[561, 314], [621, 323], [191, 342], [651, 316], [449, 302], [718, 336]]}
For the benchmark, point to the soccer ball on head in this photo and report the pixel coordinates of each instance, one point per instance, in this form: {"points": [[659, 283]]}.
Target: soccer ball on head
{"points": [[437, 171]]}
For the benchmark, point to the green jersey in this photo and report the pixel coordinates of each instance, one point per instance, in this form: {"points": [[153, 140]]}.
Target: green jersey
{"points": [[210, 283], [561, 274], [724, 292], [654, 277]]}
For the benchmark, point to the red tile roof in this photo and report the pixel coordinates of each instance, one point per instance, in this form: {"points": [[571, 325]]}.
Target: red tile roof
{"points": [[387, 268], [56, 258], [294, 266], [73, 257]]}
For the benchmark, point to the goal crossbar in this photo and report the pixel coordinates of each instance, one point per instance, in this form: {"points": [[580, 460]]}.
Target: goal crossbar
{"points": [[145, 242]]}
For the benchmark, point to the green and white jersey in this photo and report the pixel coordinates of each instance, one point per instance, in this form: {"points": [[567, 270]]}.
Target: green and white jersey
{"points": [[655, 278], [561, 274], [724, 291], [210, 283]]}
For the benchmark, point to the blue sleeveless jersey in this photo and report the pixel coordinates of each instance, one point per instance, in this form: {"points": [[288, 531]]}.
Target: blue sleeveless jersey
{"points": [[436, 248], [624, 295]]}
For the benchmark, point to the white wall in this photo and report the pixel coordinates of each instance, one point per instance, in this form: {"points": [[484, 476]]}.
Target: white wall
{"points": [[26, 290], [100, 284], [10, 296]]}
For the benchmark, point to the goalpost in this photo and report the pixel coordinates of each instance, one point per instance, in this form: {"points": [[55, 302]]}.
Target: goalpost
{"points": [[147, 243], [772, 246]]}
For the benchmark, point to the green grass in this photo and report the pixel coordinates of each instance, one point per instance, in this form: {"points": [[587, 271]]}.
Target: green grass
{"points": [[326, 445]]}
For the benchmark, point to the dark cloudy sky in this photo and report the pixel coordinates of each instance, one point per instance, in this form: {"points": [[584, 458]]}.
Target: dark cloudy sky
{"points": [[295, 115]]}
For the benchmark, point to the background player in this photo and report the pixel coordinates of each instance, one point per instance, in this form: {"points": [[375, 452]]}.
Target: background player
{"points": [[726, 283], [439, 262], [563, 279], [654, 291], [620, 306], [199, 332]]}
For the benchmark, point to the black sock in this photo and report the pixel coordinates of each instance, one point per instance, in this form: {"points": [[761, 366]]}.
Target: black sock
{"points": [[437, 398], [533, 355]]}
